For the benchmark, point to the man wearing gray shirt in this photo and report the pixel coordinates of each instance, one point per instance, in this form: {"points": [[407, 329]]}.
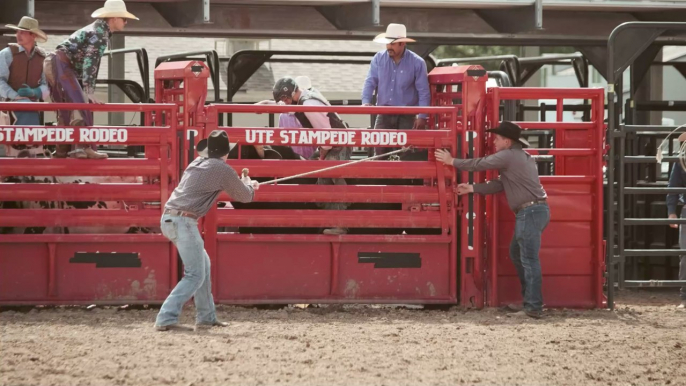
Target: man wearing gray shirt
{"points": [[203, 180], [525, 196]]}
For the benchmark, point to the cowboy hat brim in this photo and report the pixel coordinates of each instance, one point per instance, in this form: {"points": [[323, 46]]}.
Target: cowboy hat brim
{"points": [[102, 13], [383, 39], [41, 36], [522, 141]]}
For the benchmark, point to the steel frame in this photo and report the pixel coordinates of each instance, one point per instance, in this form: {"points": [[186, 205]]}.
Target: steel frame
{"points": [[579, 175], [625, 45], [46, 253]]}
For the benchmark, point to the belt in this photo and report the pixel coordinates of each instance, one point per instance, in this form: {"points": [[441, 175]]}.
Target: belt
{"points": [[174, 212], [530, 203]]}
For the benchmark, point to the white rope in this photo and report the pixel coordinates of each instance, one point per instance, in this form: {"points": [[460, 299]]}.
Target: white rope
{"points": [[681, 156], [404, 149]]}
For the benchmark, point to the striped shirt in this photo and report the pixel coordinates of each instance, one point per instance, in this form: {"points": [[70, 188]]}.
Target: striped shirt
{"points": [[202, 182]]}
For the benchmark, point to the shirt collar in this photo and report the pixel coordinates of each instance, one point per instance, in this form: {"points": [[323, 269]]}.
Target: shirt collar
{"points": [[401, 57], [103, 23], [22, 49]]}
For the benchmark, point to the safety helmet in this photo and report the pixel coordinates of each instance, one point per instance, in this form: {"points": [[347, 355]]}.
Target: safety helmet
{"points": [[284, 87]]}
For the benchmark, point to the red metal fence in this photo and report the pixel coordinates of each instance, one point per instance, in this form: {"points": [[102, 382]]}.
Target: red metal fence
{"points": [[572, 252], [411, 239], [86, 268], [358, 267]]}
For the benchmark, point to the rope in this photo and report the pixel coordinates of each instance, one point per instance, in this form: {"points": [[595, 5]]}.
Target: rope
{"points": [[404, 149], [681, 156]]}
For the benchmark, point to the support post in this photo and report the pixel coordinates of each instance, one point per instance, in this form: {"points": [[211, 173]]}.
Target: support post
{"points": [[116, 69]]}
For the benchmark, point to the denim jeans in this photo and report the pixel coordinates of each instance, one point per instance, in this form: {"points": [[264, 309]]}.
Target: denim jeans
{"points": [[394, 122], [183, 232], [27, 118], [526, 243], [682, 258]]}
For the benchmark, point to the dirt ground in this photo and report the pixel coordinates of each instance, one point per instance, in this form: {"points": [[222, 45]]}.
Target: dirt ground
{"points": [[642, 342]]}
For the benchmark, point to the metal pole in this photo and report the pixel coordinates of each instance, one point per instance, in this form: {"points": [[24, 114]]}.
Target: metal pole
{"points": [[538, 9], [376, 13], [610, 240], [206, 11]]}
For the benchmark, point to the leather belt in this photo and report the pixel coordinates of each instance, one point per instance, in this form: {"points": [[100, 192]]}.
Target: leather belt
{"points": [[174, 212], [530, 203]]}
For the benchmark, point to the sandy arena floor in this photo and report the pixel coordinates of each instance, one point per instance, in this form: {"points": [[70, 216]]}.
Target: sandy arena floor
{"points": [[642, 342]]}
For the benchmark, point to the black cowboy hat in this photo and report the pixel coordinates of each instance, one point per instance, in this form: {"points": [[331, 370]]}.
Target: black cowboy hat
{"points": [[215, 146], [511, 131]]}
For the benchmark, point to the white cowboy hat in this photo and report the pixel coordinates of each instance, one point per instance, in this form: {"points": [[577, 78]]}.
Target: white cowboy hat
{"points": [[113, 8], [31, 25], [395, 33], [303, 82]]}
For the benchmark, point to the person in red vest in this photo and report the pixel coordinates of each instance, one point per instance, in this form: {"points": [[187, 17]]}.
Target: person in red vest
{"points": [[22, 78], [71, 71]]}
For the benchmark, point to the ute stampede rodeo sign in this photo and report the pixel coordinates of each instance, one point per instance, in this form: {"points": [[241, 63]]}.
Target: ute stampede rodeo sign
{"points": [[326, 137], [62, 134]]}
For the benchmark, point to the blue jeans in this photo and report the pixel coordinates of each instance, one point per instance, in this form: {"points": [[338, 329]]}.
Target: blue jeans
{"points": [[394, 122], [183, 232], [27, 118], [526, 243]]}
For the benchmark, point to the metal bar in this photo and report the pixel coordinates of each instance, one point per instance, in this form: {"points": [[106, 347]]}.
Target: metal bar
{"points": [[620, 208], [647, 159], [206, 11], [538, 10], [326, 169], [548, 93], [561, 152], [88, 192], [654, 252], [299, 238], [265, 109], [654, 221], [107, 107], [323, 218], [381, 169], [654, 128], [557, 125], [597, 115], [655, 283], [370, 54], [76, 167], [319, 61], [568, 107], [143, 65], [84, 238], [76, 217], [661, 106], [653, 190]]}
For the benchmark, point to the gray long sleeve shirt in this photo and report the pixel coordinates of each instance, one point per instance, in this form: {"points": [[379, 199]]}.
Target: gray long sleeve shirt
{"points": [[518, 175], [202, 182]]}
